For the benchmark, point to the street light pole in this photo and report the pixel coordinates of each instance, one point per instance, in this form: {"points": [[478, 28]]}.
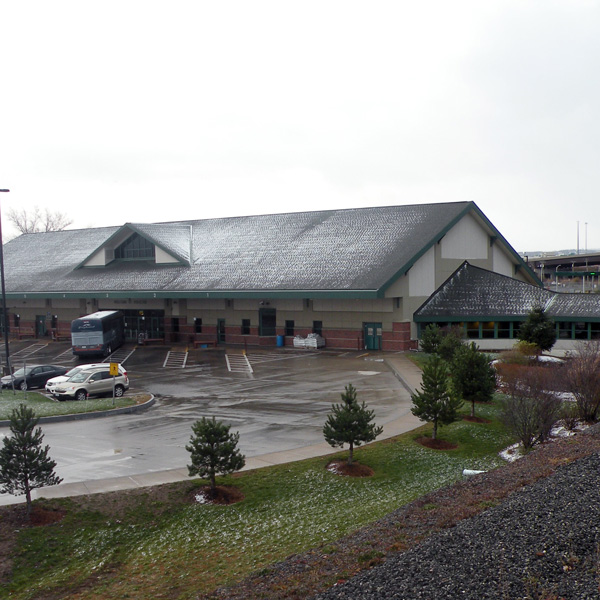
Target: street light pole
{"points": [[4, 308]]}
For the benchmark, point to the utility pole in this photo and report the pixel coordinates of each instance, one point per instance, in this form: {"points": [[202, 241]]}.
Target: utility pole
{"points": [[4, 308]]}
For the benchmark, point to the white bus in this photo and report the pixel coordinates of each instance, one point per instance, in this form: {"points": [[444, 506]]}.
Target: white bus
{"points": [[101, 332]]}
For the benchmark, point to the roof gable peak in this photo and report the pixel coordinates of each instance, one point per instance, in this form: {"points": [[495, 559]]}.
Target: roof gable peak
{"points": [[165, 244]]}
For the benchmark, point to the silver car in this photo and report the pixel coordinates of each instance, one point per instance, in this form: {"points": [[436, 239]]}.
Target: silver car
{"points": [[52, 383], [92, 382]]}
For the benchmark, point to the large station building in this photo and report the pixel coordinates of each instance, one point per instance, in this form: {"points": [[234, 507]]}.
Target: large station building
{"points": [[354, 276], [361, 278]]}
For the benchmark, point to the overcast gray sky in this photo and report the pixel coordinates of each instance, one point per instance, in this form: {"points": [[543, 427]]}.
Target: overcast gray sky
{"points": [[141, 111]]}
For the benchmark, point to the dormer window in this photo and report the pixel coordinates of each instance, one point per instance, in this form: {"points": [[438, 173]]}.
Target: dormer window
{"points": [[135, 246]]}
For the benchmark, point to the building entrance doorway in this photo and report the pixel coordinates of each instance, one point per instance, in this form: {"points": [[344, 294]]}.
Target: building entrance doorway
{"points": [[267, 321], [149, 323], [40, 326], [372, 332], [221, 331]]}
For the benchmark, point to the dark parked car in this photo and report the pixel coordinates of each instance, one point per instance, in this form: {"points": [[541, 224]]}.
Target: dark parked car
{"points": [[32, 376]]}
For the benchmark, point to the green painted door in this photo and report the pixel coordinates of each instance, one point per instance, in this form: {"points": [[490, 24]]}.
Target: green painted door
{"points": [[40, 325], [372, 332]]}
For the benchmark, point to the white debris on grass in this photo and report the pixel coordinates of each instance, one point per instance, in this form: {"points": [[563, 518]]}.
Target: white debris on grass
{"points": [[332, 467], [515, 451], [201, 498]]}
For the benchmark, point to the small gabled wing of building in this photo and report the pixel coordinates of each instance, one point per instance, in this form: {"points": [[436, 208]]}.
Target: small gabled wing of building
{"points": [[472, 293]]}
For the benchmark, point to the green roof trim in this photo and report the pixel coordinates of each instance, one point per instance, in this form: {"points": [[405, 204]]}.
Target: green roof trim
{"points": [[497, 319], [228, 294]]}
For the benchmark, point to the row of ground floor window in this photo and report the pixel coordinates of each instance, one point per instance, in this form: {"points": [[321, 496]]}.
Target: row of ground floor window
{"points": [[264, 330], [565, 330]]}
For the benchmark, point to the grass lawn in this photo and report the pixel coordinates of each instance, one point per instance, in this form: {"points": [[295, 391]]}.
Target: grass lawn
{"points": [[46, 407], [161, 545]]}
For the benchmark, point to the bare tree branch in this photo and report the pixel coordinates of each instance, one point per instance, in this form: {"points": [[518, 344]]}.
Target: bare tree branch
{"points": [[55, 221], [34, 221]]}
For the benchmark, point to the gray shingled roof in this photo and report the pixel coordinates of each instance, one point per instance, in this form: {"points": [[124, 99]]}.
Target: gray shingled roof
{"points": [[356, 249], [473, 293]]}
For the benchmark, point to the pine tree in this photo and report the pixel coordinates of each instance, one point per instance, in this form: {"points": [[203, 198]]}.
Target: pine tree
{"points": [[24, 464], [213, 450], [435, 403], [431, 338], [473, 378], [538, 329], [350, 423]]}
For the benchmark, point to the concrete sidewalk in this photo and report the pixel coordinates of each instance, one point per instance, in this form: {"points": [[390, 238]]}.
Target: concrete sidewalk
{"points": [[403, 368]]}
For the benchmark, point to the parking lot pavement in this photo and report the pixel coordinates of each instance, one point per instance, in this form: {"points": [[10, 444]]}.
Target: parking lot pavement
{"points": [[279, 410]]}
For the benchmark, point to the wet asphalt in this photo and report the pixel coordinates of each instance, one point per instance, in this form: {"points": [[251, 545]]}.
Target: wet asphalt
{"points": [[278, 400]]}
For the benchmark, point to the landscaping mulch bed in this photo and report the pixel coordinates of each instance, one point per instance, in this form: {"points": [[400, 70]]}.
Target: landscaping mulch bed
{"points": [[222, 494], [436, 444], [341, 467], [476, 419]]}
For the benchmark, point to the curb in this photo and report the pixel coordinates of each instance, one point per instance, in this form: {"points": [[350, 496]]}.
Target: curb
{"points": [[399, 377], [94, 415]]}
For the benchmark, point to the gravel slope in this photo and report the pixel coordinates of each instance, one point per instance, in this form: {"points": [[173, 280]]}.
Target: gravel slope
{"points": [[541, 543]]}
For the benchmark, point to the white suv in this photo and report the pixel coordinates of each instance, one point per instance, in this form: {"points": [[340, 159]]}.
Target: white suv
{"points": [[92, 382], [52, 383]]}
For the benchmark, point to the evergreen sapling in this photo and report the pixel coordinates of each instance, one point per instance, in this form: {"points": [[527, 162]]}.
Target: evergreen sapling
{"points": [[350, 423], [24, 464], [435, 403]]}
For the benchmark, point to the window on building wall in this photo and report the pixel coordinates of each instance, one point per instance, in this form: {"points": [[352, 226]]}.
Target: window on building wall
{"points": [[17, 320], [54, 322], [135, 247], [565, 330], [504, 329], [289, 328], [487, 329], [581, 331], [245, 326], [473, 329], [318, 327], [595, 331], [197, 325]]}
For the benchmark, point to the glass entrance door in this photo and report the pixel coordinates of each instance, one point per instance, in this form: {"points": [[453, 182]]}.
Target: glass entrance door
{"points": [[147, 322]]}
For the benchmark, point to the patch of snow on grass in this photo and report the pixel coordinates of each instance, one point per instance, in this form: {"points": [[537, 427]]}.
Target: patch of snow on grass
{"points": [[512, 453], [201, 498], [333, 468], [515, 451]]}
